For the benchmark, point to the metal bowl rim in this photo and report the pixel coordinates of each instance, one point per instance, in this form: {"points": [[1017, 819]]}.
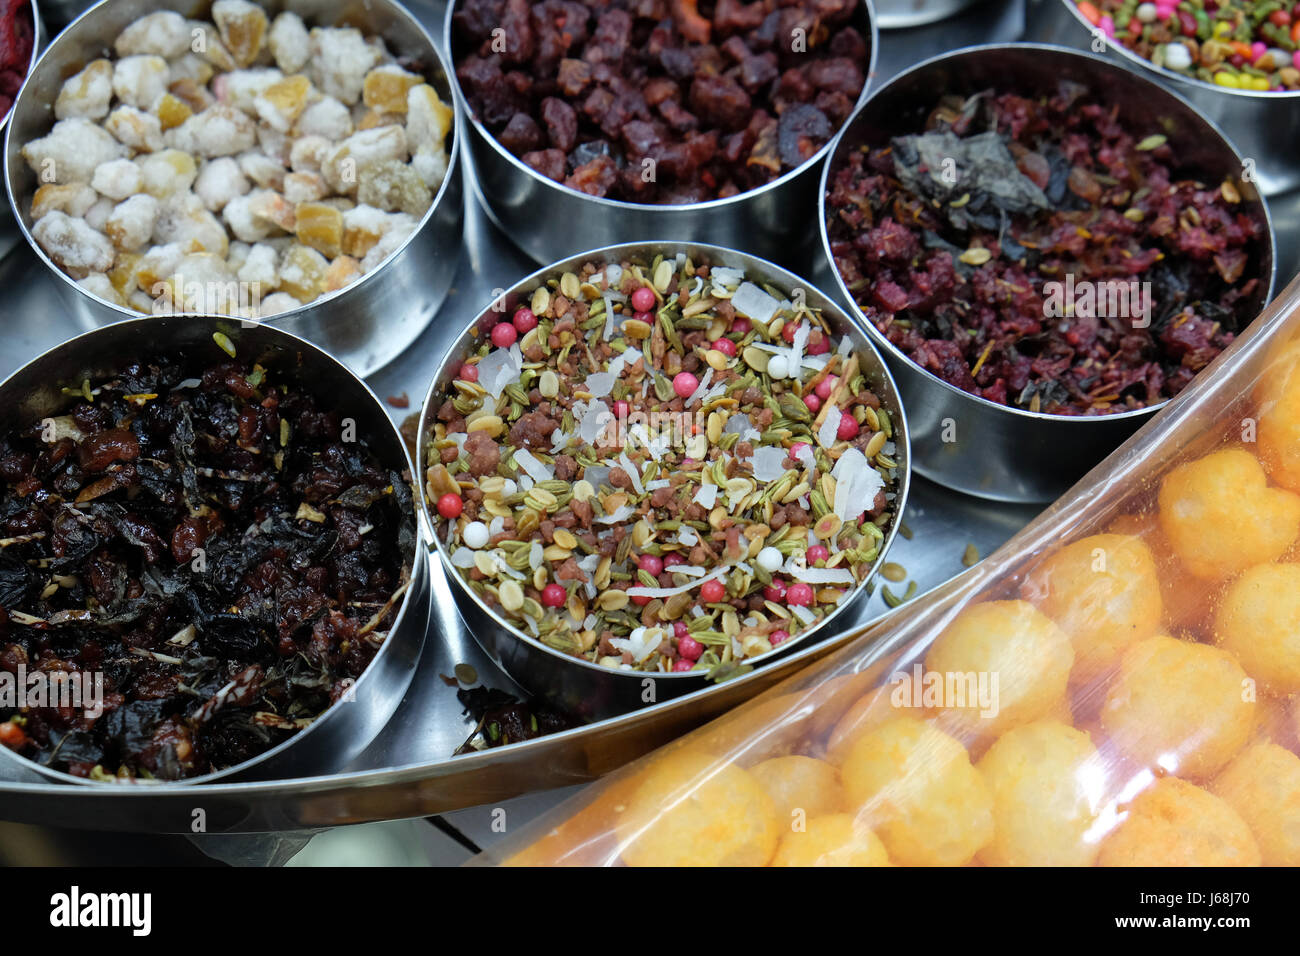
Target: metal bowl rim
{"points": [[37, 30], [667, 209], [606, 253], [453, 157], [1047, 48], [292, 341], [1192, 81]]}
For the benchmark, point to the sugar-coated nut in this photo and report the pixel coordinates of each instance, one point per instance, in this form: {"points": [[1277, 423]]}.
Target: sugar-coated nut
{"points": [[243, 27], [220, 130], [1262, 784], [71, 151], [320, 227], [264, 170], [339, 60], [385, 88], [1103, 591], [1030, 656], [141, 80], [1174, 823], [1221, 517], [260, 268], [183, 219], [73, 244], [343, 164], [131, 223], [721, 815], [392, 185], [1045, 781], [916, 785], [326, 118], [302, 272], [278, 302], [428, 118], [97, 283], [74, 199], [281, 103], [165, 34], [135, 128], [219, 181], [836, 839], [86, 94], [1258, 622], [289, 42]]}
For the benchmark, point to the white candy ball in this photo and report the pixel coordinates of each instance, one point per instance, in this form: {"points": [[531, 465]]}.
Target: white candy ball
{"points": [[475, 535], [769, 559], [1146, 12], [1177, 56], [778, 366]]}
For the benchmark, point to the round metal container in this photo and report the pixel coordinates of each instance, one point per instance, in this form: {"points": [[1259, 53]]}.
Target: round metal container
{"points": [[901, 14], [549, 221], [366, 324], [576, 685], [1264, 126], [966, 442], [342, 731]]}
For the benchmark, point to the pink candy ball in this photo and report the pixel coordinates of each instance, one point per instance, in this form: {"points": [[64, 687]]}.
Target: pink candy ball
{"points": [[643, 299], [685, 384], [504, 335]]}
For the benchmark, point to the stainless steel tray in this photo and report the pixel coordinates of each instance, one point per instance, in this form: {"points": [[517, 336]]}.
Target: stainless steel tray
{"points": [[408, 771]]}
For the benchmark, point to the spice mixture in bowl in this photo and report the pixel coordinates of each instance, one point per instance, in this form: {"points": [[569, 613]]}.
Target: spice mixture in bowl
{"points": [[663, 458], [979, 276], [206, 551]]}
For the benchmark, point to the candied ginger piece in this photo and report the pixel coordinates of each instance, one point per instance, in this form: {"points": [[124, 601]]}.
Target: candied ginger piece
{"points": [[87, 94], [131, 223], [327, 118], [117, 179], [243, 28], [393, 186], [260, 268], [280, 104], [428, 118], [220, 180], [289, 42], [73, 244], [220, 130], [172, 111], [71, 151], [99, 284], [135, 128], [167, 172], [319, 226], [74, 199], [302, 272], [343, 164], [278, 302], [183, 219], [304, 187], [165, 34], [342, 272], [141, 80], [339, 59], [386, 87]]}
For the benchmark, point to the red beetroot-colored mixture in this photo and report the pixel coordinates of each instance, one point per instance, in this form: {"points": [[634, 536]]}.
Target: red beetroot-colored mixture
{"points": [[952, 261], [16, 39], [660, 101]]}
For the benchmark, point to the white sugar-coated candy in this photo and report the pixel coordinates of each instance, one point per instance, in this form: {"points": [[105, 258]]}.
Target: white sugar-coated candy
{"points": [[769, 559], [475, 535], [1177, 56], [778, 367]]}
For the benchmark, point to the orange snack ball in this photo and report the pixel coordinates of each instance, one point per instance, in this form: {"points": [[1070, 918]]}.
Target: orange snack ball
{"points": [[870, 710], [1173, 823], [1045, 779], [1258, 620], [1012, 642], [1278, 433], [1180, 705], [801, 785], [1221, 517], [1263, 785], [694, 810], [1103, 591], [915, 786], [836, 839]]}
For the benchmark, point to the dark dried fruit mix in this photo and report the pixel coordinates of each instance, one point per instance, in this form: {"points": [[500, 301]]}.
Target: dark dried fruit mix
{"points": [[661, 101], [213, 542], [1038, 253]]}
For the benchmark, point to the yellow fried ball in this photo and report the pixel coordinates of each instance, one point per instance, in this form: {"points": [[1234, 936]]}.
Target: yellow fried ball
{"points": [[916, 788], [1173, 823], [833, 840], [1263, 785], [1258, 620], [1103, 591], [1046, 782], [1010, 643], [800, 784], [694, 810], [1221, 517], [1278, 433], [870, 710], [1179, 705]]}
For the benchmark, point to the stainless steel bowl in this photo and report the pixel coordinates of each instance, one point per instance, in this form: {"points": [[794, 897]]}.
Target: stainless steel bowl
{"points": [[549, 221], [366, 324], [1265, 126], [341, 732], [574, 684], [902, 14], [9, 231], [969, 443]]}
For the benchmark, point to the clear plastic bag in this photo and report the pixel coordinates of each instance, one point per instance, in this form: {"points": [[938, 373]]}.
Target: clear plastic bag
{"points": [[1118, 685]]}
